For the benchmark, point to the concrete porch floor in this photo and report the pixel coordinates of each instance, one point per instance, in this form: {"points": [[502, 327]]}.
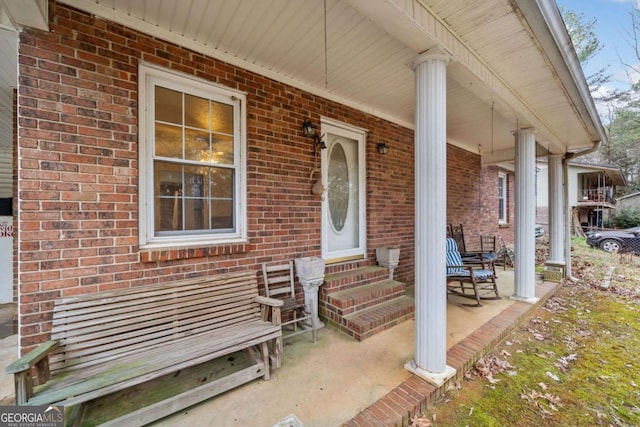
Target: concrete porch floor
{"points": [[340, 381]]}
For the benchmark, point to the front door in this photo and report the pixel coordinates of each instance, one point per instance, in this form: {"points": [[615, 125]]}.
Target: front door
{"points": [[343, 204]]}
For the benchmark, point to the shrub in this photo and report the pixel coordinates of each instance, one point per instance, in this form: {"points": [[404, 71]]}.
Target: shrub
{"points": [[627, 218]]}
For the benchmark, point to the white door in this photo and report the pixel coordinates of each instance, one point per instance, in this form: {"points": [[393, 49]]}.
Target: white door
{"points": [[343, 204]]}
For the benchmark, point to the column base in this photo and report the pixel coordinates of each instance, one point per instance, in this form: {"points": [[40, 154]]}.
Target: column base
{"points": [[531, 301], [554, 271], [435, 378]]}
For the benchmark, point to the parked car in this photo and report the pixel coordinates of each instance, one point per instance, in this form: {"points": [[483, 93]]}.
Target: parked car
{"points": [[539, 230], [616, 240]]}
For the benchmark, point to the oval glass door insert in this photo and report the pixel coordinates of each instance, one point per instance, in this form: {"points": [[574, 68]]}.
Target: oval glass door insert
{"points": [[338, 183]]}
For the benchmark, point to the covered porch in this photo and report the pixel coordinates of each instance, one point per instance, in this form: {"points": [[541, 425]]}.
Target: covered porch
{"points": [[339, 381]]}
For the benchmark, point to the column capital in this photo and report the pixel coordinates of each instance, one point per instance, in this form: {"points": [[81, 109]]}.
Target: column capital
{"points": [[555, 156], [436, 53], [530, 129]]}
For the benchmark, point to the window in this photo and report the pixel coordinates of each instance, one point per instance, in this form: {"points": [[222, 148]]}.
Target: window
{"points": [[502, 198], [192, 161]]}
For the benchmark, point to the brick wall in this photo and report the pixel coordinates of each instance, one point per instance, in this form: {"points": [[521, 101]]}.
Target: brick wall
{"points": [[472, 197], [78, 168]]}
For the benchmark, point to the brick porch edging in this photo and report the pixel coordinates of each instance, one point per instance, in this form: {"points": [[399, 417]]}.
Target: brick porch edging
{"points": [[411, 397]]}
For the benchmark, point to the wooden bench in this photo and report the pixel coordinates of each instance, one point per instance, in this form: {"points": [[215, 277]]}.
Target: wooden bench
{"points": [[106, 342]]}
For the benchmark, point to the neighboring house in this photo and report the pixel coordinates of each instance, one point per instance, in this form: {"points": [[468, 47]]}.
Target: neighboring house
{"points": [[629, 201], [591, 190], [164, 140]]}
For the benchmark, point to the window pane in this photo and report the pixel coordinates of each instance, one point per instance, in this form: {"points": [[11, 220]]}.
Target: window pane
{"points": [[222, 149], [196, 112], [221, 183], [168, 105], [168, 142], [195, 214], [221, 118], [196, 145], [222, 214], [168, 196], [195, 179]]}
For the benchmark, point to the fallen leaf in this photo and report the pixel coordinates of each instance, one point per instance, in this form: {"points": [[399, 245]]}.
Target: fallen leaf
{"points": [[543, 386], [491, 379], [421, 422], [553, 376]]}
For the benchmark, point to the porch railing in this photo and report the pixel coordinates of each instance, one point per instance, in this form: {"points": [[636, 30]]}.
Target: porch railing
{"points": [[601, 195]]}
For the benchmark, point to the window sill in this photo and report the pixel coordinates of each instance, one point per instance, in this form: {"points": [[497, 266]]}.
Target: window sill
{"points": [[504, 225], [172, 254]]}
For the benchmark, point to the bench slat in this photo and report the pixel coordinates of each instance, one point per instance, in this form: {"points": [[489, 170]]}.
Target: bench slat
{"points": [[136, 293]]}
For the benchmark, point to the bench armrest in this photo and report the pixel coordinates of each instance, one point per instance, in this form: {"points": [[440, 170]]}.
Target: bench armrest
{"points": [[273, 302], [30, 359], [22, 370], [270, 309]]}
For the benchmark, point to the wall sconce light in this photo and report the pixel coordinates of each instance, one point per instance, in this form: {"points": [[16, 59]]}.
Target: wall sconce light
{"points": [[311, 131], [383, 148]]}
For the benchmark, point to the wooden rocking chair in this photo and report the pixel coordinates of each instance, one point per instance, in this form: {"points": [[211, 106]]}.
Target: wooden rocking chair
{"points": [[474, 281], [298, 318]]}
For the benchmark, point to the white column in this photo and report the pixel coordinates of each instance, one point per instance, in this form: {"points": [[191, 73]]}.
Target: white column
{"points": [[430, 361], [525, 216], [556, 210]]}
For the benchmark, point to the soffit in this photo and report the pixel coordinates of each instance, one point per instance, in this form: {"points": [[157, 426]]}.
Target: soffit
{"points": [[369, 46]]}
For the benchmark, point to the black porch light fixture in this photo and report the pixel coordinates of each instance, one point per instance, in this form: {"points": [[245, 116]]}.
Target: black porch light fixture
{"points": [[311, 130], [383, 148]]}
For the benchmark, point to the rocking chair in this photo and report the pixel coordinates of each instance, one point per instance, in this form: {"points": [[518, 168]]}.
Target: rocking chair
{"points": [[488, 247], [474, 281], [298, 318]]}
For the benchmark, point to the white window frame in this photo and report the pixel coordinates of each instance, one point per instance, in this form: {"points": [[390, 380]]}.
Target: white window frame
{"points": [[503, 195], [149, 76]]}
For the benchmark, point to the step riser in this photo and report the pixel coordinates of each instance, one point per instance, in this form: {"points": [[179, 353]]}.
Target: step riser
{"points": [[353, 305], [360, 336], [354, 280], [360, 332]]}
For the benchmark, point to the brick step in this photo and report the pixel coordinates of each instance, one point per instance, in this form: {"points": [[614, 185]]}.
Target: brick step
{"points": [[341, 281], [355, 299], [368, 322]]}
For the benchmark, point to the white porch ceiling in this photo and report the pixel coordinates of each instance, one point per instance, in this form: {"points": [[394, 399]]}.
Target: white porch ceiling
{"points": [[496, 57]]}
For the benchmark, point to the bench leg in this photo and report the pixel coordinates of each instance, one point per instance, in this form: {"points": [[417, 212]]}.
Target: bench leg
{"points": [[23, 386], [264, 350]]}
